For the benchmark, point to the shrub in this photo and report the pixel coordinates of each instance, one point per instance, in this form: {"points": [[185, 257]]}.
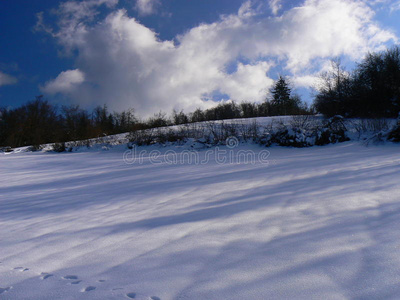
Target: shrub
{"points": [[141, 137], [6, 149], [291, 137], [394, 134], [35, 148], [333, 131], [305, 122], [59, 147]]}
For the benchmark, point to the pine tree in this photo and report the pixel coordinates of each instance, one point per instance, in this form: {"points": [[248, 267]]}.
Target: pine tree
{"points": [[281, 100]]}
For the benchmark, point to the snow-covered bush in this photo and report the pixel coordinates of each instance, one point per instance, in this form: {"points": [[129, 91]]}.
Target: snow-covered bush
{"points": [[35, 148], [5, 149], [292, 137], [366, 127], [304, 131], [165, 135], [142, 137], [249, 132], [218, 132], [332, 131], [59, 147], [394, 134]]}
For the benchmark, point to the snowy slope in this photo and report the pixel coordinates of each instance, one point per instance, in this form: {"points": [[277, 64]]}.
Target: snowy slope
{"points": [[314, 223], [123, 138]]}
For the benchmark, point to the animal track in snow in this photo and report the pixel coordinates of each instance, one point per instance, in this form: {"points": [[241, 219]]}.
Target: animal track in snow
{"points": [[88, 289], [70, 277], [45, 275], [22, 269], [3, 290], [131, 295], [155, 298], [101, 280], [76, 282]]}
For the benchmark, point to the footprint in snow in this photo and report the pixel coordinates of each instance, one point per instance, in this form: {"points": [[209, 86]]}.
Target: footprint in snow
{"points": [[88, 289], [76, 282], [70, 277], [101, 280], [45, 275], [22, 269], [3, 290], [131, 295], [155, 298]]}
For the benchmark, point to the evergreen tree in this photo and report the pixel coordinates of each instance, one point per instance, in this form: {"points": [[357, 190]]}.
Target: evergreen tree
{"points": [[282, 103]]}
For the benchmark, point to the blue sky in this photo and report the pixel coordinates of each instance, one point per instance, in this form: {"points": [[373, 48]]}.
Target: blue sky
{"points": [[179, 54]]}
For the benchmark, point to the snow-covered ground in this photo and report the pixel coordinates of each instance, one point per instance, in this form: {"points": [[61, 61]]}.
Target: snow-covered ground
{"points": [[311, 223]]}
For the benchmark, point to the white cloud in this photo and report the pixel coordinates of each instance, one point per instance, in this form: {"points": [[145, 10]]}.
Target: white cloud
{"points": [[304, 81], [275, 6], [126, 65], [6, 79], [72, 19], [249, 82], [395, 6], [65, 82], [320, 29], [246, 10], [146, 7]]}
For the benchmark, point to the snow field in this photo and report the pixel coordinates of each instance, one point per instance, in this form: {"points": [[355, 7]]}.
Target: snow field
{"points": [[312, 223]]}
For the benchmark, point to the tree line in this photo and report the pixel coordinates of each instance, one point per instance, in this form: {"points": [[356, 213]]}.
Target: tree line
{"points": [[39, 122], [372, 90]]}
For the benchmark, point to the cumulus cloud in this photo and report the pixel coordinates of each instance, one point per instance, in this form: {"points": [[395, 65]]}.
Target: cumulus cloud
{"points": [[249, 82], [6, 79], [146, 7], [65, 82], [125, 64]]}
